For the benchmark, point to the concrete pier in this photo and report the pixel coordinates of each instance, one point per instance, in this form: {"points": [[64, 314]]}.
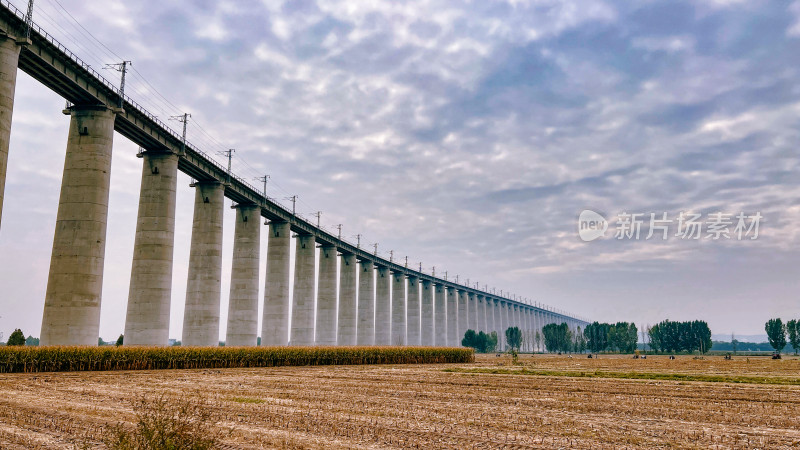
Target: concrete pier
{"points": [[523, 316], [490, 317], [383, 311], [9, 58], [303, 295], [463, 316], [413, 324], [366, 304], [507, 309], [472, 305], [326, 297], [426, 317], [348, 301], [483, 314], [275, 323], [525, 329], [150, 291], [503, 325], [440, 314], [75, 283], [398, 309], [243, 299], [201, 313], [452, 319]]}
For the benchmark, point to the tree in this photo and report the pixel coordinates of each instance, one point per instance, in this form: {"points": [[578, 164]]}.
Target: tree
{"points": [[669, 336], [32, 341], [16, 338], [481, 342], [538, 339], [793, 330], [119, 340], [514, 338], [491, 341], [701, 335], [776, 333], [470, 339], [596, 335], [580, 341], [557, 338], [734, 343]]}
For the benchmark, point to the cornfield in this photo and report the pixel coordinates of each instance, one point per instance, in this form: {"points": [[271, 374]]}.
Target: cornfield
{"points": [[70, 359]]}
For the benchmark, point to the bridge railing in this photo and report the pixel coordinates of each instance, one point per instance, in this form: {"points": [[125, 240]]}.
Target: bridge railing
{"points": [[127, 99], [143, 111]]}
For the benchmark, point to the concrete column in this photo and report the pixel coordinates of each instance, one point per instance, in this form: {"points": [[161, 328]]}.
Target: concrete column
{"points": [[509, 319], [491, 319], [9, 58], [275, 322], [201, 313], [366, 304], [414, 323], [303, 293], [452, 319], [463, 316], [149, 294], [383, 307], [440, 322], [483, 316], [347, 300], [398, 309], [501, 308], [472, 303], [243, 299], [515, 319], [326, 297], [529, 328], [75, 283]]}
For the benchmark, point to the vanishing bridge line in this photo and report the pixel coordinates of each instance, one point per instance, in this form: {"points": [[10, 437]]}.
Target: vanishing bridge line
{"points": [[380, 302]]}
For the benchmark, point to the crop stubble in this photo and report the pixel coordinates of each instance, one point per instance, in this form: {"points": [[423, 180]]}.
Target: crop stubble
{"points": [[422, 406]]}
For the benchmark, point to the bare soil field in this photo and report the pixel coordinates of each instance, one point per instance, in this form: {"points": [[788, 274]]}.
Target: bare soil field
{"points": [[424, 406]]}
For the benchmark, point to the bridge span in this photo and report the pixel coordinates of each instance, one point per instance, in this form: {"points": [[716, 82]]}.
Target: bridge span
{"points": [[380, 302]]}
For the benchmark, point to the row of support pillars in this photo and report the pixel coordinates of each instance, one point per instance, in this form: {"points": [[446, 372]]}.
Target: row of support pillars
{"points": [[340, 301]]}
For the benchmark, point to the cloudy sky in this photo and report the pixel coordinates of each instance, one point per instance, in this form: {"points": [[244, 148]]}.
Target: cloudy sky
{"points": [[466, 135]]}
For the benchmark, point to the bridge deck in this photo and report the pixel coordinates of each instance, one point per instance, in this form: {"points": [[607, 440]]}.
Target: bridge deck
{"points": [[53, 65]]}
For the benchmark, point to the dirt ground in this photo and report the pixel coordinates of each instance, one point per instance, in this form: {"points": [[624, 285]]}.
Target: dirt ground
{"points": [[424, 407]]}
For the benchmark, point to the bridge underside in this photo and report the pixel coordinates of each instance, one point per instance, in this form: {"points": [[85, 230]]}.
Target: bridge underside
{"points": [[409, 306]]}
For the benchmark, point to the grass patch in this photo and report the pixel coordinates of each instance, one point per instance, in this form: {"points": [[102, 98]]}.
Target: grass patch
{"points": [[71, 359], [750, 379], [246, 400], [165, 424]]}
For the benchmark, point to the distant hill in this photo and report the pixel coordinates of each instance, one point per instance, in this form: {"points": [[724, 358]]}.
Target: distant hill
{"points": [[725, 346], [757, 338]]}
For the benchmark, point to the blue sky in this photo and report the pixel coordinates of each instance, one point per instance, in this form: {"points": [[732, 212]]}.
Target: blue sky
{"points": [[466, 135]]}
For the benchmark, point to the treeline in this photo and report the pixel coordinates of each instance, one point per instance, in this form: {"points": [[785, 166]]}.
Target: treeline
{"points": [[777, 332], [559, 338], [620, 337], [671, 337], [481, 342]]}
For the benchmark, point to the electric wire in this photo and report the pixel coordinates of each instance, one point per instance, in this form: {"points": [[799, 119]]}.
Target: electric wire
{"points": [[94, 49]]}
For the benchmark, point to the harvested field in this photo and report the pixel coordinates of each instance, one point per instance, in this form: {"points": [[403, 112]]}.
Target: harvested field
{"points": [[427, 407]]}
